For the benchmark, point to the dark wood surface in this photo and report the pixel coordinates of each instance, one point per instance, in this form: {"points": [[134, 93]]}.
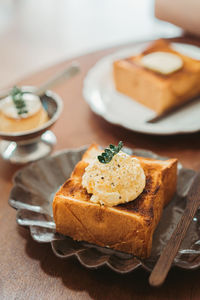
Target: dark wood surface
{"points": [[29, 270]]}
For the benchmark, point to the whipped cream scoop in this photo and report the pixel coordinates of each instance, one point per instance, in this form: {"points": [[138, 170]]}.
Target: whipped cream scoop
{"points": [[119, 181]]}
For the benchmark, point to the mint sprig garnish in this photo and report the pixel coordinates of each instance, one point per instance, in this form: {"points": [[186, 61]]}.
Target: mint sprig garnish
{"points": [[17, 97], [109, 152]]}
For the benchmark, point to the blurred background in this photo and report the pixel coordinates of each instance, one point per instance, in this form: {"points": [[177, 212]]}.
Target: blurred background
{"points": [[35, 34]]}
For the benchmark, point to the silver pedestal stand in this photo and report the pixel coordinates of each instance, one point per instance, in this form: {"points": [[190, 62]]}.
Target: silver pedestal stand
{"points": [[29, 150]]}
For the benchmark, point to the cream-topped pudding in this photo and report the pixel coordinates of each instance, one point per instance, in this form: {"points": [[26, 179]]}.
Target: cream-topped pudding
{"points": [[21, 112]]}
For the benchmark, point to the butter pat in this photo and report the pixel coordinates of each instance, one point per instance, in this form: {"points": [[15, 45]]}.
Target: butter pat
{"points": [[119, 181], [162, 62]]}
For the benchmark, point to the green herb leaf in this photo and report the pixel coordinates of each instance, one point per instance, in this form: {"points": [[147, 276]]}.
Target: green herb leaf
{"points": [[17, 97], [108, 153]]}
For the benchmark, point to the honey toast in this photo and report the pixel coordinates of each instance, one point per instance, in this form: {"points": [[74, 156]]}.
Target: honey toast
{"points": [[126, 227], [159, 92]]}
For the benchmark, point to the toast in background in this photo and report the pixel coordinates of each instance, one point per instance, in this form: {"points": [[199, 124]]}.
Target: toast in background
{"points": [[157, 91], [126, 227]]}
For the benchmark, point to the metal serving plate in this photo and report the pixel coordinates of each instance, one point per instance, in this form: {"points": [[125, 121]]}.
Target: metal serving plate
{"points": [[32, 195]]}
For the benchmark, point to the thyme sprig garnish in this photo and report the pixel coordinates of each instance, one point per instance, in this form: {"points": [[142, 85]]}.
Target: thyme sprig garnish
{"points": [[109, 152], [17, 97]]}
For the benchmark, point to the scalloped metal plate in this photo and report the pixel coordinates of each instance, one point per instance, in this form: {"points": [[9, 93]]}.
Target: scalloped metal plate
{"points": [[32, 195]]}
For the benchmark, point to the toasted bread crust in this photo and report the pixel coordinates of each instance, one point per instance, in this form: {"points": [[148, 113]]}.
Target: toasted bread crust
{"points": [[154, 90], [127, 227]]}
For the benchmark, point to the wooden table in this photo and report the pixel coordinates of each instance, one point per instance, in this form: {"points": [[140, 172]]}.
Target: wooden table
{"points": [[29, 270]]}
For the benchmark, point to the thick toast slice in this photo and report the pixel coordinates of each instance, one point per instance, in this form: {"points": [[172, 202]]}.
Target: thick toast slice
{"points": [[157, 91], [126, 227]]}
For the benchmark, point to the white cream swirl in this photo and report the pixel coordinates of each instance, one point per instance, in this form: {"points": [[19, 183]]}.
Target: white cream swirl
{"points": [[32, 102]]}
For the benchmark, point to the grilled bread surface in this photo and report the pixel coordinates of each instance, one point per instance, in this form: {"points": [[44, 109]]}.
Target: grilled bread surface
{"points": [[126, 227], [157, 91]]}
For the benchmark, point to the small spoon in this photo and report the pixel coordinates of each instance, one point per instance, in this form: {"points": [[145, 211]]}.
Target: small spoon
{"points": [[169, 252], [71, 71]]}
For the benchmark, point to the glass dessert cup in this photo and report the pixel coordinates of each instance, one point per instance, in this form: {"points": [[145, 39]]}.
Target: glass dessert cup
{"points": [[31, 145]]}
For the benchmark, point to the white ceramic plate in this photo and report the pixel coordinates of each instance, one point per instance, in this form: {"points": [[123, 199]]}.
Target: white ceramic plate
{"points": [[104, 100]]}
